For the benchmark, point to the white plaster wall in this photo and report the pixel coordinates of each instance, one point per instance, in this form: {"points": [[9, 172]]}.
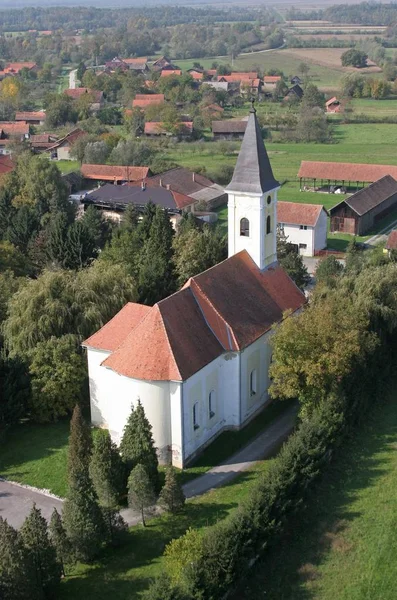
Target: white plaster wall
{"points": [[177, 450], [111, 398], [298, 236], [320, 232], [257, 355], [222, 376]]}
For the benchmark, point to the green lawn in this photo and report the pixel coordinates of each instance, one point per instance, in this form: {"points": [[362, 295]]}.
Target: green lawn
{"points": [[125, 572], [377, 108], [344, 546], [67, 166]]}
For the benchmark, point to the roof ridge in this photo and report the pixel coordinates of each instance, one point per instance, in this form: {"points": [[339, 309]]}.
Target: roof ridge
{"points": [[168, 340]]}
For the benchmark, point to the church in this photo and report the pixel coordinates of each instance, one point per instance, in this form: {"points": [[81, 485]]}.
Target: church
{"points": [[198, 360]]}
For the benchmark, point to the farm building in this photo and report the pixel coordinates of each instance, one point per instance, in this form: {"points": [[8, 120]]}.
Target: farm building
{"points": [[305, 226], [333, 105], [115, 174], [330, 174], [33, 118], [295, 92], [391, 244], [96, 95], [42, 141], [156, 129], [61, 149], [144, 100], [229, 130], [361, 211]]}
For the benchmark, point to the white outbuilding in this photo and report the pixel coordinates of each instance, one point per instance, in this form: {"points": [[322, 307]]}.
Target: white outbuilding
{"points": [[198, 360], [305, 226]]}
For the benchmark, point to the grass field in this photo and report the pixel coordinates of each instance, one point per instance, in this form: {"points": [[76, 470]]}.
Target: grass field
{"points": [[67, 166], [344, 546]]}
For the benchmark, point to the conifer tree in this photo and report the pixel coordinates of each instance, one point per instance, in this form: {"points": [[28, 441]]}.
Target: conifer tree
{"points": [[141, 495], [15, 573], [42, 555], [171, 497], [106, 472], [60, 540], [137, 444], [80, 444]]}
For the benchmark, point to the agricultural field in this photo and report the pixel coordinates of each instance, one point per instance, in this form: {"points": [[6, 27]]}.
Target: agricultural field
{"points": [[344, 545]]}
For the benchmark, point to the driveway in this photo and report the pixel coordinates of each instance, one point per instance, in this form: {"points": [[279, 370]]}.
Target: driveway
{"points": [[16, 501]]}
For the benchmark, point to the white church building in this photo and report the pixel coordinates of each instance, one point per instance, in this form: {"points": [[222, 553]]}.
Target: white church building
{"points": [[198, 360]]}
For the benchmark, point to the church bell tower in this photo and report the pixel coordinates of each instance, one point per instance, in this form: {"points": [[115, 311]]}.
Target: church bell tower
{"points": [[252, 204]]}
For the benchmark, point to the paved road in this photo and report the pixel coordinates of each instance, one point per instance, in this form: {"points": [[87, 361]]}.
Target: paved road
{"points": [[16, 501], [73, 79]]}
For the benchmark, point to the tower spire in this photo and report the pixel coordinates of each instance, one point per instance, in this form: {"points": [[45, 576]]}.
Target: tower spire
{"points": [[253, 173]]}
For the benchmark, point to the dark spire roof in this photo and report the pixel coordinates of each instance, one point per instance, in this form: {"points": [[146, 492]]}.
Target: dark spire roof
{"points": [[253, 173]]}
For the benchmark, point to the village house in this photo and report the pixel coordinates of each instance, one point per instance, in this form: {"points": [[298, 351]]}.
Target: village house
{"points": [[296, 92], [41, 142], [33, 118], [270, 82], [183, 130], [12, 131], [332, 176], [96, 96], [198, 361], [145, 100], [168, 72], [197, 186], [61, 149], [113, 200], [15, 68], [161, 63], [358, 213], [222, 86], [196, 74], [391, 244], [296, 80], [305, 226], [231, 129], [115, 174], [6, 165], [138, 65], [333, 105]]}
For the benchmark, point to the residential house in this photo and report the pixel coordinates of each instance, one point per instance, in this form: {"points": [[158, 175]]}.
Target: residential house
{"points": [[115, 174], [232, 129], [196, 74], [161, 63], [199, 360], [169, 72], [96, 95], [305, 226], [13, 69], [296, 92], [12, 131], [221, 86], [333, 105], [42, 142], [139, 65], [296, 80], [181, 130], [358, 213], [6, 165], [61, 149], [145, 100], [33, 118]]}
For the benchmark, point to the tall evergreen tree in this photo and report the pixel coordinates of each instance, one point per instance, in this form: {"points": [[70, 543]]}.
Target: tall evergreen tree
{"points": [[171, 497], [80, 445], [42, 554], [15, 573], [141, 495], [56, 239], [107, 471], [60, 540], [147, 219], [137, 444]]}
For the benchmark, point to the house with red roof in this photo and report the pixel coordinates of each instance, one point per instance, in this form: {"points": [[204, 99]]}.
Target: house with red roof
{"points": [[333, 105], [96, 96], [144, 100], [33, 118], [198, 361], [304, 225], [60, 150], [113, 173], [12, 131], [168, 72], [391, 244], [183, 130]]}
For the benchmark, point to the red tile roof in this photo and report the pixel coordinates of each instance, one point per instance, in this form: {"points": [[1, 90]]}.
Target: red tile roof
{"points": [[144, 100], [167, 72], [68, 139], [76, 93], [6, 164], [238, 77], [225, 308], [345, 171], [294, 213], [142, 60], [114, 173], [271, 78], [117, 329], [16, 67], [156, 128], [210, 72], [196, 75], [391, 243], [30, 116], [331, 101], [14, 128]]}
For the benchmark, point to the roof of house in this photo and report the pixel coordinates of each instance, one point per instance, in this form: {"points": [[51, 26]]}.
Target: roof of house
{"points": [[156, 128], [253, 172], [16, 67], [345, 171], [297, 90], [391, 243], [370, 197], [186, 182], [69, 138], [333, 100], [77, 93], [122, 195], [43, 140], [114, 173], [136, 63], [183, 333], [271, 78], [238, 76], [210, 72], [214, 108], [6, 164], [30, 116], [295, 213], [229, 126], [196, 74], [161, 61], [14, 128], [143, 100], [167, 72]]}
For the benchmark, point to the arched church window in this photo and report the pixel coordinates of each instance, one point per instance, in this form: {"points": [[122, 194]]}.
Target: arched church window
{"points": [[253, 382], [211, 404], [269, 199], [244, 227], [268, 224], [196, 423]]}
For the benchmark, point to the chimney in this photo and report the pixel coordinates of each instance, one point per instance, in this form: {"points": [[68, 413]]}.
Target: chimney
{"points": [[168, 186], [161, 182], [114, 180], [194, 176], [143, 185]]}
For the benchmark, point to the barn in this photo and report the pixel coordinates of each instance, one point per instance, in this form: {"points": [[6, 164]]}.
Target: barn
{"points": [[361, 211], [326, 176]]}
